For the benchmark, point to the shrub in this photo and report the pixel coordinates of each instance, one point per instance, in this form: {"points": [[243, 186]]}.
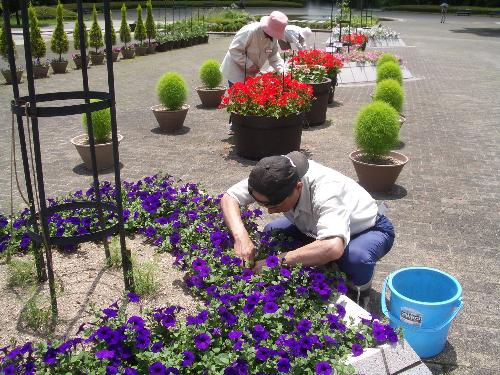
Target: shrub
{"points": [[145, 281], [59, 42], [140, 30], [36, 315], [150, 23], [387, 57], [390, 70], [113, 31], [38, 47], [376, 129], [210, 73], [124, 28], [50, 13], [21, 273], [172, 91], [391, 92], [95, 35], [101, 124], [3, 44], [76, 36]]}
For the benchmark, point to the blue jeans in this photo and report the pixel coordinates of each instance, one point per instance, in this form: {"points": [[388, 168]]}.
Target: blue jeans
{"points": [[362, 252]]}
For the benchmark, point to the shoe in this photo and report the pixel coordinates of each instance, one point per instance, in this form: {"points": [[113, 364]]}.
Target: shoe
{"points": [[362, 298], [230, 131]]}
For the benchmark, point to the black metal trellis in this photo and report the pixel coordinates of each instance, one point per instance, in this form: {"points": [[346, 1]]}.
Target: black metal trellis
{"points": [[28, 106]]}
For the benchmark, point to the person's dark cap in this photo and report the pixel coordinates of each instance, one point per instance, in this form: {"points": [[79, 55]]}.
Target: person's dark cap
{"points": [[276, 176]]}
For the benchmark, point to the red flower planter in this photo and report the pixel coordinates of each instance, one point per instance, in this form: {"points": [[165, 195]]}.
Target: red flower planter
{"points": [[317, 114]]}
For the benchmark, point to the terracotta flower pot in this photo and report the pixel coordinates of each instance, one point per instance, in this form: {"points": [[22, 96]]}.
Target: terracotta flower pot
{"points": [[8, 78], [151, 48], [141, 50], [317, 114], [78, 61], [97, 58], [170, 121], [40, 71], [128, 53], [375, 177], [210, 98], [115, 55], [103, 152], [59, 67], [260, 136]]}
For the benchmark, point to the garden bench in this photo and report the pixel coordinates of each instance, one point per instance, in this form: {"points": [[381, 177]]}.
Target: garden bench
{"points": [[466, 12]]}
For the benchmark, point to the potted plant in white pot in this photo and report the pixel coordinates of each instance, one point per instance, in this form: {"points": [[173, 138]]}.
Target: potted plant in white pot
{"points": [[101, 127], [128, 52], [3, 52], [76, 57], [59, 43], [96, 40], [172, 93], [376, 132], [38, 47], [211, 92]]}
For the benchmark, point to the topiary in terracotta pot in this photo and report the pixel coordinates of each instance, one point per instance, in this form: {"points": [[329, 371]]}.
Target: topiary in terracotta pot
{"points": [[172, 93], [211, 92], [101, 128], [376, 132], [391, 92]]}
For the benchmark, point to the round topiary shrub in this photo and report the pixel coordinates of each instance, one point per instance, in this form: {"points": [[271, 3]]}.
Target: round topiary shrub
{"points": [[390, 70], [376, 130], [387, 57], [210, 73], [391, 92], [101, 124], [172, 91]]}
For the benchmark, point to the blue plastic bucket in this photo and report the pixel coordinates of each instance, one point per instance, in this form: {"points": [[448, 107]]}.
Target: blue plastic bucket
{"points": [[424, 302]]}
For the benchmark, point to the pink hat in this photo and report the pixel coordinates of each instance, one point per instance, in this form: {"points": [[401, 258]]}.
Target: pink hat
{"points": [[274, 24]]}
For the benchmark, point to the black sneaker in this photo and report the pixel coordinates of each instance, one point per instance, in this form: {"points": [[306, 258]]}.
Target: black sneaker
{"points": [[362, 300]]}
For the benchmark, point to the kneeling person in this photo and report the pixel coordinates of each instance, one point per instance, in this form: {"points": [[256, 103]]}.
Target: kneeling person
{"points": [[336, 217]]}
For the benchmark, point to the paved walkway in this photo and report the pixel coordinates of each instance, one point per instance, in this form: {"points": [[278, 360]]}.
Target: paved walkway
{"points": [[446, 207]]}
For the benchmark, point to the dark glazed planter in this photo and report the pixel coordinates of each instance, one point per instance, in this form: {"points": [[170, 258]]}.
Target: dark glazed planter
{"points": [[170, 121], [317, 114], [115, 56], [128, 53], [78, 62], [210, 98], [151, 48], [331, 94], [141, 50], [59, 67], [97, 58], [103, 152], [162, 47], [40, 71], [8, 78], [378, 178], [260, 136]]}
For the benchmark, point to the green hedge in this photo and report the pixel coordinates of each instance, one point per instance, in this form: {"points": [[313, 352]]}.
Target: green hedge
{"points": [[437, 9]]}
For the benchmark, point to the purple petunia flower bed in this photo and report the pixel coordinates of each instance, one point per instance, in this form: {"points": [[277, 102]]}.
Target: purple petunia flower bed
{"points": [[276, 322]]}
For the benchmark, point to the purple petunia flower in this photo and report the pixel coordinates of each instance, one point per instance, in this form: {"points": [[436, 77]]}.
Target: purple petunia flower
{"points": [[285, 273], [262, 353], [341, 288], [270, 307], [105, 354], [157, 346], [290, 312], [188, 358], [259, 333], [304, 326], [202, 341], [234, 335], [157, 368], [284, 365], [323, 368], [130, 371], [175, 238], [357, 350], [132, 297], [198, 264], [272, 261]]}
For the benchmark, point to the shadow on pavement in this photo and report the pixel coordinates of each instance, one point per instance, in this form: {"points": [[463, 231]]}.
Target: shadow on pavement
{"points": [[181, 131], [82, 170], [400, 145], [397, 192], [480, 31]]}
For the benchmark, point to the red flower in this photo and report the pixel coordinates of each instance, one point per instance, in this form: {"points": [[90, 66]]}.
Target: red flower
{"points": [[312, 57], [268, 95], [355, 38]]}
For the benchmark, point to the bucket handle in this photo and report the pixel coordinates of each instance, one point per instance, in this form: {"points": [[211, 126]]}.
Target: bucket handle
{"points": [[389, 315]]}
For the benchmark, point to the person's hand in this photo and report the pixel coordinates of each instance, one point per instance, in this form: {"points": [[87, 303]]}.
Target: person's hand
{"points": [[257, 268], [245, 250]]}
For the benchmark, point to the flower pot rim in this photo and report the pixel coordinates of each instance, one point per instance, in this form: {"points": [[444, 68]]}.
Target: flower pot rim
{"points": [[161, 108], [205, 88], [397, 155], [76, 141], [283, 117]]}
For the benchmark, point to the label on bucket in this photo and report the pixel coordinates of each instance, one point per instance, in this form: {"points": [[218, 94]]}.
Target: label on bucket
{"points": [[410, 316]]}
